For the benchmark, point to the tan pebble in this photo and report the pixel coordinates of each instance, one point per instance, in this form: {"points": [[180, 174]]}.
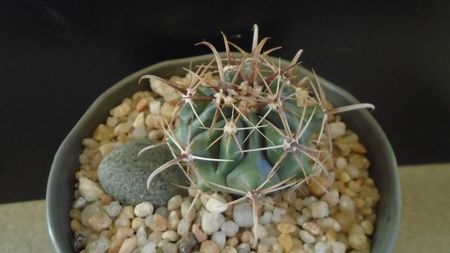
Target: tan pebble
{"points": [[342, 146], [359, 203], [233, 241], [198, 233], [287, 218], [114, 247], [103, 133], [99, 221], [171, 236], [120, 110], [330, 234], [123, 233], [128, 245], [164, 90], [122, 128], [262, 248], [345, 220], [139, 121], [105, 149], [285, 228], [158, 223], [136, 223], [318, 185], [75, 214], [174, 202], [286, 242], [367, 226], [105, 199], [357, 148], [106, 234], [209, 246], [312, 228], [122, 138], [247, 237], [289, 197], [75, 225], [127, 211], [348, 192], [358, 241], [173, 220], [298, 204], [167, 110], [152, 121], [141, 104], [155, 134], [277, 248], [229, 249]]}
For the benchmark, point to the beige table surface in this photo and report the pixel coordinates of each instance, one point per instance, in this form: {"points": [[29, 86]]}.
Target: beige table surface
{"points": [[425, 216]]}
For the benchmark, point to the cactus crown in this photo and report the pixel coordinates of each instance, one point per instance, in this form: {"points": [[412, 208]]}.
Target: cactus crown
{"points": [[253, 130]]}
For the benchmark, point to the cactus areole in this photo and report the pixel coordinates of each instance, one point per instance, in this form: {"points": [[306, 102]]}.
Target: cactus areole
{"points": [[252, 130]]}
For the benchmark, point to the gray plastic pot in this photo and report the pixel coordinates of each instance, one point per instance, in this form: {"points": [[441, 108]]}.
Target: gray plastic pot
{"points": [[61, 179]]}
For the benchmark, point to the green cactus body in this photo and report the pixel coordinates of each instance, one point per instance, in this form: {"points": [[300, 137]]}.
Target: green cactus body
{"points": [[245, 137]]}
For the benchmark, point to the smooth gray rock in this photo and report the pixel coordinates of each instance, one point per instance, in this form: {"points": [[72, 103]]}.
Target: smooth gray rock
{"points": [[123, 174]]}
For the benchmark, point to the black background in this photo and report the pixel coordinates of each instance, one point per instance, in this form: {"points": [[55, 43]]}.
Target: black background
{"points": [[56, 57]]}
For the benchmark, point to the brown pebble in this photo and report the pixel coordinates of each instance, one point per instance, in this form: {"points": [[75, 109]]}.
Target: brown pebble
{"points": [[198, 233], [318, 185], [286, 228], [158, 223], [209, 247], [141, 104]]}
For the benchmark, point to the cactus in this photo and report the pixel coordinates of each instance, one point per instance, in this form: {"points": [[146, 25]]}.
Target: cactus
{"points": [[254, 131]]}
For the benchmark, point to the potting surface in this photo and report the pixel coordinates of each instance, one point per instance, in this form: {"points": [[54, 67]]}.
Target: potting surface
{"points": [[424, 225]]}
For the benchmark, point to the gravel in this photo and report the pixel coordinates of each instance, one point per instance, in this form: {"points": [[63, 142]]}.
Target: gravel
{"points": [[335, 213]]}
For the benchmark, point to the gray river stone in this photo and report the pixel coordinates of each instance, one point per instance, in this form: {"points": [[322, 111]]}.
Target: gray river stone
{"points": [[123, 174]]}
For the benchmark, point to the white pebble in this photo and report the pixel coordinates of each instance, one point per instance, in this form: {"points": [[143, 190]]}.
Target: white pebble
{"points": [[211, 222], [306, 236], [141, 236], [79, 203], [346, 204], [183, 227], [216, 204], [89, 189], [99, 245], [338, 247], [277, 213], [322, 247], [88, 212], [230, 228], [337, 129], [113, 209], [243, 215], [331, 197], [243, 248], [261, 231], [155, 107], [265, 218], [143, 209], [139, 133], [319, 209], [171, 236], [340, 162], [219, 238], [149, 248], [174, 202], [329, 223]]}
